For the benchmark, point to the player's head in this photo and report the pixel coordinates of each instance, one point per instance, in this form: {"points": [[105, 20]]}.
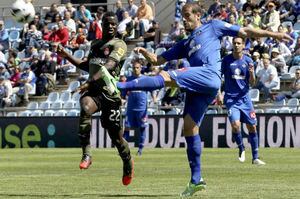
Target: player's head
{"points": [[109, 24], [137, 67], [297, 73], [191, 13], [238, 44]]}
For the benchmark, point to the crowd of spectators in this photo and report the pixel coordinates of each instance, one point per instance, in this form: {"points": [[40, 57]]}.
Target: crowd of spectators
{"points": [[30, 65]]}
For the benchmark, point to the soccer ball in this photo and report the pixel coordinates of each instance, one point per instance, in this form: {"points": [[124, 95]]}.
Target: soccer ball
{"points": [[22, 11]]}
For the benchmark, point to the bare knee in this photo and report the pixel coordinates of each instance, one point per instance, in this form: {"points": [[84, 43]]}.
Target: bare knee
{"points": [[167, 78], [251, 128], [236, 126], [190, 128], [88, 105]]}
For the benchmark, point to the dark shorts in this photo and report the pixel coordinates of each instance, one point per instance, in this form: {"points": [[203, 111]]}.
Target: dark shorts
{"points": [[110, 109]]}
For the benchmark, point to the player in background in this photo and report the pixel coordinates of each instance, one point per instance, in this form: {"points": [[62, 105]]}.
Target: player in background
{"points": [[201, 81], [136, 110], [99, 94], [238, 71]]}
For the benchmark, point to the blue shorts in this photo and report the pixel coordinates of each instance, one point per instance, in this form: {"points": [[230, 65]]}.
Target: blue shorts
{"points": [[197, 79], [136, 119], [241, 109], [201, 85]]}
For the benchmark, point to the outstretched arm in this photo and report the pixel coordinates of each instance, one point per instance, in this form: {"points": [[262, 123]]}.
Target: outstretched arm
{"points": [[151, 57], [252, 33], [76, 62]]}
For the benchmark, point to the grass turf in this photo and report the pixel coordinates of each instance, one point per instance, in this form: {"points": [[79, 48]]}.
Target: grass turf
{"points": [[159, 173]]}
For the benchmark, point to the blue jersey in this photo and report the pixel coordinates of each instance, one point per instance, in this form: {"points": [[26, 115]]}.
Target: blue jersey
{"points": [[137, 100], [236, 75], [202, 47]]}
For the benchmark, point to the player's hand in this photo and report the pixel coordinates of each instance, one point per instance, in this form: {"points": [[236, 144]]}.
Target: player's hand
{"points": [[138, 50], [251, 68], [284, 37], [81, 89], [61, 51]]}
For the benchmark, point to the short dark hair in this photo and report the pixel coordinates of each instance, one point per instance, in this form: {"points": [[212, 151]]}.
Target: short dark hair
{"points": [[238, 37], [109, 14], [196, 8]]}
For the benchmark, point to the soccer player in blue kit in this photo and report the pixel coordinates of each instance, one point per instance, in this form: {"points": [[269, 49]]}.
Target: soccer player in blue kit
{"points": [[201, 81], [238, 71], [136, 110]]}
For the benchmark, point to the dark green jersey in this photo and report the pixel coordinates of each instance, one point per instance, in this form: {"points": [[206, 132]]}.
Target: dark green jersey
{"points": [[114, 49]]}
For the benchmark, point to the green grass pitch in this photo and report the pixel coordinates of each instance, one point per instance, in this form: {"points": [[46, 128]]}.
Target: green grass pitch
{"points": [[159, 173]]}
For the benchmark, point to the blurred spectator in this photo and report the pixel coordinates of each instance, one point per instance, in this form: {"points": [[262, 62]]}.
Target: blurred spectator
{"points": [[248, 6], [50, 15], [70, 9], [290, 30], [271, 19], [37, 22], [256, 62], [16, 76], [256, 21], [175, 30], [5, 92], [83, 16], [172, 97], [131, 8], [60, 35], [295, 60], [286, 10], [122, 27], [4, 37], [119, 10], [58, 18], [294, 90], [260, 46], [152, 37], [278, 61], [26, 84], [3, 71], [178, 9], [95, 30], [283, 49], [33, 37], [267, 78], [223, 12], [13, 60], [214, 8], [2, 57], [143, 17], [232, 13], [69, 22]]}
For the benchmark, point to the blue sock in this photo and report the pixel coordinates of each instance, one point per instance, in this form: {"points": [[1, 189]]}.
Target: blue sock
{"points": [[253, 139], [145, 83], [194, 153], [239, 140], [142, 137], [126, 135]]}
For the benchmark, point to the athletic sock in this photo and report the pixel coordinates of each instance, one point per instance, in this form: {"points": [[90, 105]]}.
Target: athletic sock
{"points": [[239, 140], [253, 139], [126, 135], [86, 150], [193, 154], [146, 83], [142, 137]]}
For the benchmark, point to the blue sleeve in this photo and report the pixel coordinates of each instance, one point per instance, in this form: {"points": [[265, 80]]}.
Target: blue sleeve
{"points": [[225, 29], [88, 15], [176, 52]]}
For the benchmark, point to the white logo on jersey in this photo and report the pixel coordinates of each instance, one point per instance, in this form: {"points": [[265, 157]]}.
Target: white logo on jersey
{"points": [[227, 25], [237, 74]]}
